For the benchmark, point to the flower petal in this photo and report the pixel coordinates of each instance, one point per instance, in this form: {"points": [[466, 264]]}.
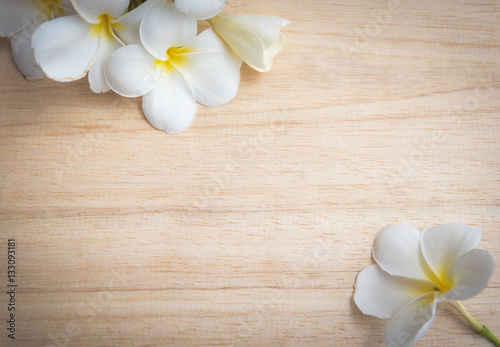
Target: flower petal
{"points": [[267, 28], [132, 71], [127, 26], [469, 274], [16, 15], [200, 9], [65, 48], [409, 324], [443, 244], [382, 295], [209, 42], [213, 77], [251, 36], [90, 10], [23, 54], [171, 106], [277, 46], [97, 80], [397, 250], [246, 44], [165, 27]]}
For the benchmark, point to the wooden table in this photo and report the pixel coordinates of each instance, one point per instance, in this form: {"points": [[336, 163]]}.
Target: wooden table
{"points": [[250, 227]]}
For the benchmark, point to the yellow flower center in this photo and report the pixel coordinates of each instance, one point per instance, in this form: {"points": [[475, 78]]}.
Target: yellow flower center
{"points": [[104, 28], [175, 58], [442, 289], [443, 283]]}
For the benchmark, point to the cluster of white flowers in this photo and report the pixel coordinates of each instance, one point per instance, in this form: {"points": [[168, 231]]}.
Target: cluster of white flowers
{"points": [[152, 51]]}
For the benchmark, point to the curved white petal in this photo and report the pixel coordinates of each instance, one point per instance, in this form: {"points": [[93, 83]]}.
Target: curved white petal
{"points": [[252, 37], [382, 295], [443, 244], [171, 106], [16, 15], [127, 26], [65, 48], [132, 71], [23, 54], [246, 44], [165, 27], [397, 250], [23, 57], [278, 45], [209, 42], [97, 80], [91, 10], [213, 77], [409, 324], [267, 28], [469, 275], [200, 9]]}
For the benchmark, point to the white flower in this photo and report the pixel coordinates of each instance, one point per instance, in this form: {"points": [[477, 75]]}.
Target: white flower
{"points": [[18, 21], [173, 69], [415, 271], [256, 39], [200, 9], [66, 48]]}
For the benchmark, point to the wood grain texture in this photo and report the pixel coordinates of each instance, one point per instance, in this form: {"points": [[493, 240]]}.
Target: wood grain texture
{"points": [[250, 227]]}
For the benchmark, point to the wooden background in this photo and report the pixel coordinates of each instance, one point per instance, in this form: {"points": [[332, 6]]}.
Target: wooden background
{"points": [[250, 227]]}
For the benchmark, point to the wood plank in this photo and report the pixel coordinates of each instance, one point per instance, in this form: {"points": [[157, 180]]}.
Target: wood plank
{"points": [[250, 227]]}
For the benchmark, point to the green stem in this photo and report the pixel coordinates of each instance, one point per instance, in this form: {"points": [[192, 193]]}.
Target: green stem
{"points": [[478, 327], [135, 3]]}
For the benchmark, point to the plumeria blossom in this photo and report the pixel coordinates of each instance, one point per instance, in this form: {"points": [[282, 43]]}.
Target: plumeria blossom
{"points": [[256, 39], [173, 69], [151, 51], [66, 48], [18, 21], [416, 270]]}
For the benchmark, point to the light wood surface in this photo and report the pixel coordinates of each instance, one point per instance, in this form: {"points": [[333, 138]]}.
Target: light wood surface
{"points": [[250, 227]]}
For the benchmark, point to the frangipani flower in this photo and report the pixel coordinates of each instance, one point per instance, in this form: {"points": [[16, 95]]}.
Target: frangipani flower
{"points": [[18, 21], [173, 69], [67, 48], [254, 38], [416, 270]]}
